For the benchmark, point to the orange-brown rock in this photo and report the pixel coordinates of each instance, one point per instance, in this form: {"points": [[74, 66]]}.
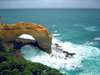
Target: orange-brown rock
{"points": [[41, 34]]}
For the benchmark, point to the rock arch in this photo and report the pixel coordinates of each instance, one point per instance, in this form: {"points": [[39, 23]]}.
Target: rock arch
{"points": [[42, 35]]}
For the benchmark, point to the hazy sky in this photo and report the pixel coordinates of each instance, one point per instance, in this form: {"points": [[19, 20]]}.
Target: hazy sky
{"points": [[5, 4]]}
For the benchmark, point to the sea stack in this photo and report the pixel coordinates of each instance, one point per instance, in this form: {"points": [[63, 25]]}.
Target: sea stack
{"points": [[41, 34]]}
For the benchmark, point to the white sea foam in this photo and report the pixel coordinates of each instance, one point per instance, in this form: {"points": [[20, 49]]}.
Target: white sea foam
{"points": [[92, 28], [94, 43], [58, 61], [56, 34], [89, 43], [26, 36], [97, 38], [53, 25], [55, 31]]}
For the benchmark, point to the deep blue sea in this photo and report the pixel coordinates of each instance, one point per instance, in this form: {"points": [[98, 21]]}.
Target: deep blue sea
{"points": [[75, 30]]}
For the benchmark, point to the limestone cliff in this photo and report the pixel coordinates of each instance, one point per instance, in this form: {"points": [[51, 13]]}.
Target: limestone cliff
{"points": [[41, 34]]}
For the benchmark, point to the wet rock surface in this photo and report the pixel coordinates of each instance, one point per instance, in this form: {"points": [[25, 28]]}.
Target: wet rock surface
{"points": [[64, 54]]}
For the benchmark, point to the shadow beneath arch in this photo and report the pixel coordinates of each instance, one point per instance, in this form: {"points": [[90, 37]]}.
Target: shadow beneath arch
{"points": [[17, 44]]}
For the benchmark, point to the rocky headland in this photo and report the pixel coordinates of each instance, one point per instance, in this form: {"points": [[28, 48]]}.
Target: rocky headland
{"points": [[10, 34]]}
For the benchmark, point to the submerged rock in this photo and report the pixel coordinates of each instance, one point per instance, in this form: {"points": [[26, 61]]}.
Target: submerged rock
{"points": [[69, 54], [10, 33], [56, 47]]}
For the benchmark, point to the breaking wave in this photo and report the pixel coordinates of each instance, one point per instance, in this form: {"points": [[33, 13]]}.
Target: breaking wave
{"points": [[56, 34], [53, 26], [97, 38], [57, 59], [92, 28], [89, 43]]}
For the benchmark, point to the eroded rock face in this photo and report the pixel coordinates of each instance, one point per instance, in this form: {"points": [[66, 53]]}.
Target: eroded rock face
{"points": [[41, 34]]}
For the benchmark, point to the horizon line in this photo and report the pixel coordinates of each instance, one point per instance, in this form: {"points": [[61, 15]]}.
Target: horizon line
{"points": [[47, 8]]}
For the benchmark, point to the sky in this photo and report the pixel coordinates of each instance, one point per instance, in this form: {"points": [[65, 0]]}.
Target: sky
{"points": [[16, 4]]}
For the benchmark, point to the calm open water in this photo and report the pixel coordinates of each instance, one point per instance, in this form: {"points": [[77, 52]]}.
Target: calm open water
{"points": [[76, 30]]}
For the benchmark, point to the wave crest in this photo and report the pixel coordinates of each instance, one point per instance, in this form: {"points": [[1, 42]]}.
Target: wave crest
{"points": [[97, 38], [92, 28], [58, 60]]}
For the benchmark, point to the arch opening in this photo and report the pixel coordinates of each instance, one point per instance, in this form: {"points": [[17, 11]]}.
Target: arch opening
{"points": [[26, 36], [24, 40]]}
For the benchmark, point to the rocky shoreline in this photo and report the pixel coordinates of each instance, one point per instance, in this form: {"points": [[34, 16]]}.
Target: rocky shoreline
{"points": [[43, 38]]}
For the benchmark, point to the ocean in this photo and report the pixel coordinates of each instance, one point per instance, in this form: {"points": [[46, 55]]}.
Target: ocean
{"points": [[75, 30]]}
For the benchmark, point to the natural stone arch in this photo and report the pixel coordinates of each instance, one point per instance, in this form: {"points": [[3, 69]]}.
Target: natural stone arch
{"points": [[42, 35]]}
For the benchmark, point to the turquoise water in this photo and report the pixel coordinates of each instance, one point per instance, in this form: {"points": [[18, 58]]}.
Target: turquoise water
{"points": [[76, 30]]}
